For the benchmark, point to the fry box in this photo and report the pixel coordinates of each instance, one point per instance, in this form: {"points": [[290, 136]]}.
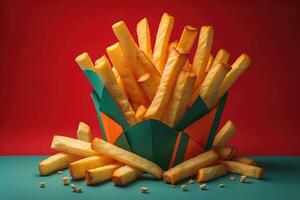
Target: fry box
{"points": [[153, 139]]}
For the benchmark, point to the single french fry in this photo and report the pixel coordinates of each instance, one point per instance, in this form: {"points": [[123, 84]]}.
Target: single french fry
{"points": [[202, 54], [245, 160], [167, 83], [212, 172], [140, 113], [119, 80], [225, 153], [56, 162], [137, 60], [84, 132], [144, 37], [100, 174], [221, 57], [126, 157], [188, 38], [77, 169], [125, 175], [212, 83], [237, 69], [190, 167], [209, 64], [171, 46], [180, 97], [243, 169], [162, 41], [84, 61], [72, 146], [134, 91], [225, 134], [104, 70]]}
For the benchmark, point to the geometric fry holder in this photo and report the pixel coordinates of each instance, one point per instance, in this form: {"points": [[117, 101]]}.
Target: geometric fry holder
{"points": [[153, 139]]}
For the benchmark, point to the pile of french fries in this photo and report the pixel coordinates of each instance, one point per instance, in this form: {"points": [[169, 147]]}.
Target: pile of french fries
{"points": [[163, 84], [97, 161], [159, 84]]}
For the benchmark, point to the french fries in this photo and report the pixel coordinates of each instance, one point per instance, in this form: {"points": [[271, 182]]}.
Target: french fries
{"points": [[56, 162], [72, 146], [77, 169], [225, 153], [244, 169], [221, 57], [212, 172], [211, 84], [209, 64], [137, 59], [119, 80], [125, 175], [174, 65], [162, 41], [225, 134], [187, 38], [245, 160], [144, 37], [101, 174], [84, 132], [140, 113], [134, 91], [180, 97], [238, 67], [84, 61], [126, 157], [202, 54], [104, 70], [190, 167]]}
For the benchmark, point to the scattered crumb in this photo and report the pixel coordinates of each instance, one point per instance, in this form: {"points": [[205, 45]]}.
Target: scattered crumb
{"points": [[203, 186], [232, 178], [66, 180], [191, 181], [79, 190], [42, 184], [221, 185], [144, 189], [184, 187], [60, 172], [74, 188], [243, 179]]}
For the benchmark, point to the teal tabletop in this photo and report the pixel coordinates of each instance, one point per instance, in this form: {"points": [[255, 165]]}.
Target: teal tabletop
{"points": [[20, 180]]}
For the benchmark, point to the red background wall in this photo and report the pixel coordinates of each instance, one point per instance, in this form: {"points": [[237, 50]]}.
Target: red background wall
{"points": [[43, 92]]}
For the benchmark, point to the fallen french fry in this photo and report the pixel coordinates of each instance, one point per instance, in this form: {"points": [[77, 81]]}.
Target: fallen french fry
{"points": [[144, 37], [237, 69], [179, 99], [100, 174], [137, 60], [202, 54], [125, 175], [77, 169], [212, 172], [245, 160], [134, 91], [103, 69], [221, 57], [162, 41], [225, 153], [211, 84], [243, 169], [84, 61], [187, 38], [72, 146], [140, 113], [126, 157], [190, 167], [173, 67], [225, 134], [209, 64], [56, 162], [84, 132]]}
